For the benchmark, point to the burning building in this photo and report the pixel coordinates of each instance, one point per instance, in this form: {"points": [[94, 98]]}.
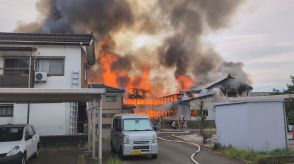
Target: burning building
{"points": [[154, 48]]}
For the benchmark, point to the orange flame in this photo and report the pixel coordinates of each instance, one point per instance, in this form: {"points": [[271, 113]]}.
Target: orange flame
{"points": [[110, 77], [185, 81]]}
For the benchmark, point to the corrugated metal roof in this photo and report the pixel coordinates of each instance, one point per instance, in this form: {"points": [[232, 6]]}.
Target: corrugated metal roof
{"points": [[44, 39], [255, 99]]}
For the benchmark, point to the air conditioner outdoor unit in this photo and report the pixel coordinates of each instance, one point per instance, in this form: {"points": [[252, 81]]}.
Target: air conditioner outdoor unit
{"points": [[40, 76]]}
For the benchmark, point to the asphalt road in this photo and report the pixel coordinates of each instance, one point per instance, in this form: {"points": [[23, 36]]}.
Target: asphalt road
{"points": [[169, 153], [179, 153]]}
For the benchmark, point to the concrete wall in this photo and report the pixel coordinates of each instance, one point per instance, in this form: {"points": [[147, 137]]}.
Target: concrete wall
{"points": [[259, 125]]}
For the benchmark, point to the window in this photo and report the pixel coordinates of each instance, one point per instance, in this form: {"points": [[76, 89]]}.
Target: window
{"points": [[110, 98], [6, 110], [106, 126], [140, 124], [11, 134], [53, 66], [16, 64], [32, 132], [108, 115]]}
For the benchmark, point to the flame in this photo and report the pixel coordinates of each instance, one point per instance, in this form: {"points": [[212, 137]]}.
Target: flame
{"points": [[139, 78], [185, 81]]}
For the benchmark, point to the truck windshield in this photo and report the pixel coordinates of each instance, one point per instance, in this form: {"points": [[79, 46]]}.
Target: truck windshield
{"points": [[11, 134], [137, 124]]}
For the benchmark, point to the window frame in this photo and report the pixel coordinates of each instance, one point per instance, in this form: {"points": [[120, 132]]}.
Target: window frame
{"points": [[112, 96], [7, 105], [51, 58]]}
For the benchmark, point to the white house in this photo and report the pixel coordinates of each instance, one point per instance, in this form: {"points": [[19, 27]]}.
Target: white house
{"points": [[30, 60]]}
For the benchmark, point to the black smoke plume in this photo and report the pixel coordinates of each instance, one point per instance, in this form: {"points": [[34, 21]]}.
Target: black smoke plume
{"points": [[185, 24]]}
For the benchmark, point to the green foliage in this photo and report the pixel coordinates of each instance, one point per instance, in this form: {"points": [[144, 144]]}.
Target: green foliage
{"points": [[113, 160], [291, 117], [210, 131], [276, 92], [251, 155], [81, 160], [289, 90]]}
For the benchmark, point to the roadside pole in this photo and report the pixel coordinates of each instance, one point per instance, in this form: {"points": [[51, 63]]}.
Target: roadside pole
{"points": [[93, 111], [100, 131]]}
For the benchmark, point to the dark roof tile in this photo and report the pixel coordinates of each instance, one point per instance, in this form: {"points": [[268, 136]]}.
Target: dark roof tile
{"points": [[42, 38]]}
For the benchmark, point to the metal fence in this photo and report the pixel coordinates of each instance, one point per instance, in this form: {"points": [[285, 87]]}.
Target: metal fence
{"points": [[16, 78]]}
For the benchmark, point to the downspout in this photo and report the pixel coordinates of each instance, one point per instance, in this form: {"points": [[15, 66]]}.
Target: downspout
{"points": [[29, 86], [100, 131]]}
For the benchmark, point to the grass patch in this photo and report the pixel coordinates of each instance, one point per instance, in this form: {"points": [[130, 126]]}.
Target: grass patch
{"points": [[113, 160], [211, 130], [251, 155]]}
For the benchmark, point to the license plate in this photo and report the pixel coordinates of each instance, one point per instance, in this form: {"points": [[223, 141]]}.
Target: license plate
{"points": [[136, 152]]}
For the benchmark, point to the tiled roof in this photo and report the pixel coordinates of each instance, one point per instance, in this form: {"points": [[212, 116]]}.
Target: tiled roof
{"points": [[44, 39]]}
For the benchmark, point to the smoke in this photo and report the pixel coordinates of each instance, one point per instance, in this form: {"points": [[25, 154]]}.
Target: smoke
{"points": [[99, 16], [159, 41], [191, 20]]}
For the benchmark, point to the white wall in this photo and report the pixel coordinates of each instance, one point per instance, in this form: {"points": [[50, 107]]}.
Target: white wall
{"points": [[20, 113], [49, 119], [52, 118], [6, 120], [211, 114], [72, 63], [259, 125]]}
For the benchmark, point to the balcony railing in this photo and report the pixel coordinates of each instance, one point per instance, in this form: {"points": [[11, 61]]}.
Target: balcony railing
{"points": [[16, 78]]}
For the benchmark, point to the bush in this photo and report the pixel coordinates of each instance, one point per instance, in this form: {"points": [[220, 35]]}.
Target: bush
{"points": [[291, 118]]}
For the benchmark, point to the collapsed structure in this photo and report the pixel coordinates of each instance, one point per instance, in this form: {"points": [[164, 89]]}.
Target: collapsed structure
{"points": [[187, 104]]}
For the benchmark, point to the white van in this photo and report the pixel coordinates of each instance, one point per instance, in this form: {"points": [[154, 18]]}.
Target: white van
{"points": [[133, 135]]}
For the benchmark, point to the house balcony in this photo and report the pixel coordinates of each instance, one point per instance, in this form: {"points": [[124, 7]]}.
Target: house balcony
{"points": [[16, 78]]}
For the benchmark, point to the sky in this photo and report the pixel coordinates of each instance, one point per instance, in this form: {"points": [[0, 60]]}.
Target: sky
{"points": [[260, 35]]}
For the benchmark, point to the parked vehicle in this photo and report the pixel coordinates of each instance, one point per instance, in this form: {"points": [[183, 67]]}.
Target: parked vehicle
{"points": [[133, 135], [18, 143]]}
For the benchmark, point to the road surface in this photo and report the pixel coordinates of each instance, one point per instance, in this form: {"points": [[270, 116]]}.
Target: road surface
{"points": [[169, 153], [179, 153]]}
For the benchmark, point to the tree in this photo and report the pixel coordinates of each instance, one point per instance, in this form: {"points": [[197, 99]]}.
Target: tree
{"points": [[289, 90], [289, 108]]}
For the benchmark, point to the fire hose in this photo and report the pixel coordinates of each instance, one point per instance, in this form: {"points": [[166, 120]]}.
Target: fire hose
{"points": [[179, 141]]}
